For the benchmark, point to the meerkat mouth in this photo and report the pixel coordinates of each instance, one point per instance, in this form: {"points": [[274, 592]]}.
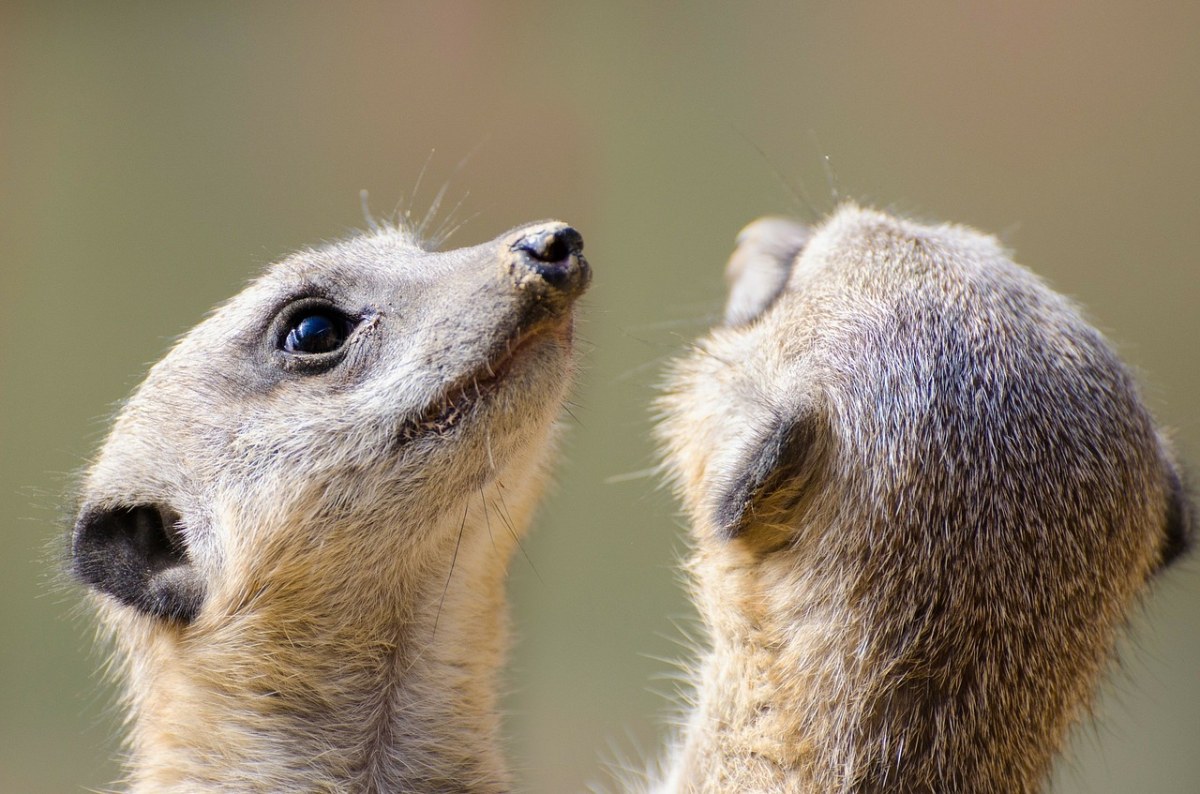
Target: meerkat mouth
{"points": [[445, 413]]}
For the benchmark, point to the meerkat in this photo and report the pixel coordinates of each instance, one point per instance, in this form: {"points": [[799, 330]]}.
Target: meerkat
{"points": [[298, 528], [923, 496]]}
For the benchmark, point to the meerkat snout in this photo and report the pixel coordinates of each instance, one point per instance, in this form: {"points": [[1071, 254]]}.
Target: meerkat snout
{"points": [[552, 250], [289, 529]]}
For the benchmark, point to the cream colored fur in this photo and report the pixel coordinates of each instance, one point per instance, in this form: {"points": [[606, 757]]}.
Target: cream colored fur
{"points": [[924, 494], [350, 530]]}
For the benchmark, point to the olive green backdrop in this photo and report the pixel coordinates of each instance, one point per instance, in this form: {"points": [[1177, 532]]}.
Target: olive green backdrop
{"points": [[154, 156]]}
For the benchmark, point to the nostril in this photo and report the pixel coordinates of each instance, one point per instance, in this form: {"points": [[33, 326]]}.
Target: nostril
{"points": [[555, 250], [551, 245], [554, 253]]}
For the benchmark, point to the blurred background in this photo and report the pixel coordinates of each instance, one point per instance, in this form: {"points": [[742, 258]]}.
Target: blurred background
{"points": [[153, 157]]}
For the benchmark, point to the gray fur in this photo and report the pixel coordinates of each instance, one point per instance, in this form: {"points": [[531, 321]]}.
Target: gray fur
{"points": [[925, 584], [346, 519]]}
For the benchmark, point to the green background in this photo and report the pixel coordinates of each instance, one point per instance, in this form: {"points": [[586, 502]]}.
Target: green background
{"points": [[154, 156]]}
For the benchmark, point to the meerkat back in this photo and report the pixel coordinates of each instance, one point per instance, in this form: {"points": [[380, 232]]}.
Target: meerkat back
{"points": [[924, 494]]}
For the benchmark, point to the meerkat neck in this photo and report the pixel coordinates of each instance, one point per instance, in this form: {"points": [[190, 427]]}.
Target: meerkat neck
{"points": [[385, 689], [806, 690], [763, 688]]}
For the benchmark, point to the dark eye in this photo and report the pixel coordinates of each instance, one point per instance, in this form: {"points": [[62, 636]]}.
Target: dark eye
{"points": [[309, 335], [317, 332]]}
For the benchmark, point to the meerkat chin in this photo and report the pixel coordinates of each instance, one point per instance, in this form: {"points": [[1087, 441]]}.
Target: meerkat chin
{"points": [[298, 528], [924, 494]]}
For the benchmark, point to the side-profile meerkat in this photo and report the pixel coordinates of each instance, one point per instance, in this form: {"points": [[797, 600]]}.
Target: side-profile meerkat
{"points": [[299, 526], [924, 494]]}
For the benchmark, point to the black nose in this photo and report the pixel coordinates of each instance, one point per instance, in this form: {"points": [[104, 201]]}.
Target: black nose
{"points": [[553, 253]]}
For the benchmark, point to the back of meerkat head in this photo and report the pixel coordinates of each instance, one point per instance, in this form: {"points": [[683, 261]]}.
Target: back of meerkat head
{"points": [[282, 494], [924, 493]]}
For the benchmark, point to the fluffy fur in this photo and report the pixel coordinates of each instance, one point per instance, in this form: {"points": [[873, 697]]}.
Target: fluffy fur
{"points": [[325, 609], [924, 494]]}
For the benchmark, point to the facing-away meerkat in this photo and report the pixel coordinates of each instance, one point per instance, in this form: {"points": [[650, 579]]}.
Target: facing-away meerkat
{"points": [[299, 526], [924, 494]]}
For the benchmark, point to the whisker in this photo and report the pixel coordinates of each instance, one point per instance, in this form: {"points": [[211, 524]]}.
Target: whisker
{"points": [[640, 474], [512, 530], [434, 206], [405, 219], [703, 351], [372, 224], [567, 408], [507, 519], [686, 322], [801, 199], [655, 362], [440, 235], [453, 562], [827, 165], [436, 238], [444, 237], [487, 520], [487, 443]]}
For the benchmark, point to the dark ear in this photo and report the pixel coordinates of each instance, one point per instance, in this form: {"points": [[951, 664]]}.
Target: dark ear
{"points": [[136, 555], [771, 474], [1181, 530]]}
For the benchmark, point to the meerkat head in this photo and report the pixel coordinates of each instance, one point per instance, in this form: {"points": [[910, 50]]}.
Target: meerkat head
{"points": [[923, 494], [872, 371], [338, 406]]}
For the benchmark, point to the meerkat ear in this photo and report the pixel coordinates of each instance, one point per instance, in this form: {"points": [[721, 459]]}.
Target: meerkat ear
{"points": [[1181, 527], [137, 556], [770, 475], [759, 267]]}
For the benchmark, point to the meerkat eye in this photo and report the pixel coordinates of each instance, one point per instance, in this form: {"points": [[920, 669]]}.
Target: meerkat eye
{"points": [[311, 328], [317, 332]]}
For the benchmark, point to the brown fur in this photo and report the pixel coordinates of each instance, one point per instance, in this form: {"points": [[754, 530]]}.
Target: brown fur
{"points": [[924, 494], [333, 614]]}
